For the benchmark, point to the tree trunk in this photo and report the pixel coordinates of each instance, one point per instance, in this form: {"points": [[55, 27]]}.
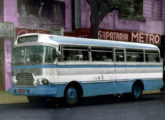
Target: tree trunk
{"points": [[94, 30]]}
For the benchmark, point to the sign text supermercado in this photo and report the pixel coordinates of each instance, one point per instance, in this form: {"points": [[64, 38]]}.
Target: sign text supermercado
{"points": [[122, 36], [6, 30]]}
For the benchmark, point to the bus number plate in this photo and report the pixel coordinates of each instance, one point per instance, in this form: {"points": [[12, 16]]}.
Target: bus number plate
{"points": [[21, 91]]}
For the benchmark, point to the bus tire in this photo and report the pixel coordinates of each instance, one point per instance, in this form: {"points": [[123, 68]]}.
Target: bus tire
{"points": [[71, 95], [36, 100], [137, 90]]}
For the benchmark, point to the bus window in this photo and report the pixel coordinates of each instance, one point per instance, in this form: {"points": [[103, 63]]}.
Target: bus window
{"points": [[34, 54], [18, 56], [152, 56], [119, 55], [75, 53], [102, 54], [134, 55], [50, 55]]}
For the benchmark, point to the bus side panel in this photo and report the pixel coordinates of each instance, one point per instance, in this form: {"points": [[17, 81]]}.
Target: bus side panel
{"points": [[153, 84], [95, 89], [151, 74]]}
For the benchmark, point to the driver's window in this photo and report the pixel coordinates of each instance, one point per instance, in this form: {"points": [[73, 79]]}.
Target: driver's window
{"points": [[50, 55]]}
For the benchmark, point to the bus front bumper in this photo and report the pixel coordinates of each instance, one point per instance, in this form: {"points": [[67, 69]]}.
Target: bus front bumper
{"points": [[37, 91]]}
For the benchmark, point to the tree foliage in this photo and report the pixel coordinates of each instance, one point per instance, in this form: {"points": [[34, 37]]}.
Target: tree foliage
{"points": [[100, 8]]}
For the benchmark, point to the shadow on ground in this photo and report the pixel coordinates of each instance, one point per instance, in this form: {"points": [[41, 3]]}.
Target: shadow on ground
{"points": [[90, 101], [101, 100]]}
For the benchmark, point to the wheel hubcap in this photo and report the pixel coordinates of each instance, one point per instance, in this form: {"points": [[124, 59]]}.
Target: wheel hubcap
{"points": [[71, 95], [137, 91]]}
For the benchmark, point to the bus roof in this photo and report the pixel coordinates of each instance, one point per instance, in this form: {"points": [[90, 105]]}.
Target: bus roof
{"points": [[63, 40]]}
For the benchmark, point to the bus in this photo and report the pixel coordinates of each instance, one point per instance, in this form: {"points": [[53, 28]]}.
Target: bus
{"points": [[54, 66]]}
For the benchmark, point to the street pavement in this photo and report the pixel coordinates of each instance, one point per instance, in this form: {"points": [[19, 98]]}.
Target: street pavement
{"points": [[150, 107]]}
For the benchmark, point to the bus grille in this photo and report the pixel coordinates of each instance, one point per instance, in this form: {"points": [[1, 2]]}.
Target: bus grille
{"points": [[24, 79]]}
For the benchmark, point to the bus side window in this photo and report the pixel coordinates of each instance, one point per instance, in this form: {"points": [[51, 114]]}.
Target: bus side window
{"points": [[134, 55], [102, 54], [119, 55], [152, 56], [75, 53]]}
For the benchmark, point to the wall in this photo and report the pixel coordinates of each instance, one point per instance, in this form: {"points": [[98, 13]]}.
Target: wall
{"points": [[41, 14], [8, 63], [68, 15], [153, 12], [11, 13]]}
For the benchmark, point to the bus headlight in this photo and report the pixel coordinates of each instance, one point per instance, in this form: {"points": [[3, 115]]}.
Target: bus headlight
{"points": [[45, 81], [42, 81]]}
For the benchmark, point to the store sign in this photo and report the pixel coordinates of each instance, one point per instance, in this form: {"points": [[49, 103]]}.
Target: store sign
{"points": [[113, 35], [145, 38], [6, 30], [122, 36]]}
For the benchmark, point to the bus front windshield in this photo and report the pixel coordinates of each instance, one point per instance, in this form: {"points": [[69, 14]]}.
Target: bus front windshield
{"points": [[33, 55]]}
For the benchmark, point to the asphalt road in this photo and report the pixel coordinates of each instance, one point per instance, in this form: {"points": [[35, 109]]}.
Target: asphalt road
{"points": [[150, 107]]}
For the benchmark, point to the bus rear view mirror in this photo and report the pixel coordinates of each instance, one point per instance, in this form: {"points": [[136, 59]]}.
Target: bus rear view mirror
{"points": [[59, 56]]}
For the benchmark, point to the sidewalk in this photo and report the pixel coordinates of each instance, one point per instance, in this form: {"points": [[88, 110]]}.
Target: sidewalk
{"points": [[6, 98], [153, 92]]}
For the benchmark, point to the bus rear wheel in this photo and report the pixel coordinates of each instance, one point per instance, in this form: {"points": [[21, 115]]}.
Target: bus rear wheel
{"points": [[71, 96], [137, 90]]}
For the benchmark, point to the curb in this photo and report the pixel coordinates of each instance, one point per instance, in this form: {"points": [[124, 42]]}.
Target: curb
{"points": [[153, 92]]}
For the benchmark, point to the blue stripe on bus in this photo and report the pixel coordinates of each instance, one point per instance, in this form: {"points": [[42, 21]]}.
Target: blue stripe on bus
{"points": [[89, 89], [118, 87], [81, 66]]}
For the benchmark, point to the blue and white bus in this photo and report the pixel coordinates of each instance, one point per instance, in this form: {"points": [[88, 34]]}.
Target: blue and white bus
{"points": [[57, 66]]}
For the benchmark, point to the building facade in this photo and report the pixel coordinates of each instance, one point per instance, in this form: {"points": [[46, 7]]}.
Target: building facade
{"points": [[43, 16], [153, 14]]}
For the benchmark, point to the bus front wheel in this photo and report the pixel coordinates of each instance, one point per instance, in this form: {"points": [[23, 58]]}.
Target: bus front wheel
{"points": [[137, 90], [71, 96]]}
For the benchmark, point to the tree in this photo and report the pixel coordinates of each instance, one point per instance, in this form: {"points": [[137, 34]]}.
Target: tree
{"points": [[99, 9]]}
